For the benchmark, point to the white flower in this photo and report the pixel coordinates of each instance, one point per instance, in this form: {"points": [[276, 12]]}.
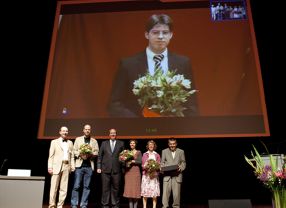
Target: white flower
{"points": [[135, 91], [186, 83], [163, 93], [160, 93]]}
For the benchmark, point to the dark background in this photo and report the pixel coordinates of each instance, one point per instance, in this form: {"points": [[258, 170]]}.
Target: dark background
{"points": [[216, 168]]}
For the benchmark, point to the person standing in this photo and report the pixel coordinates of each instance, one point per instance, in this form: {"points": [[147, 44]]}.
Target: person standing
{"points": [[60, 164], [110, 167], [132, 186], [158, 33], [172, 180], [150, 186], [84, 167]]}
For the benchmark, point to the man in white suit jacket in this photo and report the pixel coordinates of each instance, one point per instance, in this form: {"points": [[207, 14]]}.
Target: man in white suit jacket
{"points": [[60, 164], [172, 180], [84, 168]]}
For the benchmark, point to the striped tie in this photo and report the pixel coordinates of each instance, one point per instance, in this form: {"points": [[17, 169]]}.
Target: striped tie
{"points": [[158, 58]]}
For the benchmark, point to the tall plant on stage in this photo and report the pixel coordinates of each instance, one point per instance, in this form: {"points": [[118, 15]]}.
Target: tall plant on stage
{"points": [[272, 176]]}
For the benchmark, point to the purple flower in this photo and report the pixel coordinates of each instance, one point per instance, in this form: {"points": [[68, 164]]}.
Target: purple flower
{"points": [[267, 168], [263, 177]]}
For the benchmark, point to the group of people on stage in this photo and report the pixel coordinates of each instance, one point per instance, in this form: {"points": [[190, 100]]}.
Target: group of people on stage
{"points": [[66, 157]]}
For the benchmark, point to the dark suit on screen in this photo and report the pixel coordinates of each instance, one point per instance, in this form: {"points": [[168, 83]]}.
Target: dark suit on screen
{"points": [[123, 103], [111, 174]]}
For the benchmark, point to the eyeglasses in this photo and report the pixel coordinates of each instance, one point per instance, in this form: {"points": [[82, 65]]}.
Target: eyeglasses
{"points": [[158, 33]]}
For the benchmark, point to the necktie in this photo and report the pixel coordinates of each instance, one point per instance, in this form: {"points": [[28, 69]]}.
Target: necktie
{"points": [[112, 145], [158, 58]]}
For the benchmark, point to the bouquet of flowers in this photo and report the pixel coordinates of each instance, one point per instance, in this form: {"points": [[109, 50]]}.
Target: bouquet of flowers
{"points": [[163, 93], [126, 156], [152, 167], [272, 175], [85, 151]]}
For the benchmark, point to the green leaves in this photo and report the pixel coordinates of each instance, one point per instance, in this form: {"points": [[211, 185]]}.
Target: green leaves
{"points": [[164, 93], [269, 169]]}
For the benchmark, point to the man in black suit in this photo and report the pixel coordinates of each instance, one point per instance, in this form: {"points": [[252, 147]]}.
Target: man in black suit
{"points": [[110, 167], [123, 103]]}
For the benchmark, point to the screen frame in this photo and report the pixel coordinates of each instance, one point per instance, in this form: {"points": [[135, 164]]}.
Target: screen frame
{"points": [[70, 7]]}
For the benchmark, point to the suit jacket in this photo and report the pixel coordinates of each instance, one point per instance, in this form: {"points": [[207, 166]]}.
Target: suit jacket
{"points": [[146, 157], [123, 103], [78, 142], [56, 155], [107, 160], [167, 160]]}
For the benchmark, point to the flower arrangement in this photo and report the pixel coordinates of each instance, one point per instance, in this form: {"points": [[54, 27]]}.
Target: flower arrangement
{"points": [[126, 156], [152, 167], [163, 93], [85, 151], [272, 175]]}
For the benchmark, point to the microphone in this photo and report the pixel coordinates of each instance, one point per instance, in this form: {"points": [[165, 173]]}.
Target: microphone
{"points": [[3, 163]]}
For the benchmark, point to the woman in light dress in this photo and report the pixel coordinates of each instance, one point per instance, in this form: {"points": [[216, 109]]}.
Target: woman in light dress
{"points": [[150, 187]]}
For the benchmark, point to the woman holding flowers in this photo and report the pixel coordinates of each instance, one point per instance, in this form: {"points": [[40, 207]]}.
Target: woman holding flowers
{"points": [[133, 175], [150, 187]]}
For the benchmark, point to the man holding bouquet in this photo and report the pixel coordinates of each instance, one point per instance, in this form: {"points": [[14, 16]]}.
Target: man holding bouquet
{"points": [[159, 32], [85, 150], [174, 163]]}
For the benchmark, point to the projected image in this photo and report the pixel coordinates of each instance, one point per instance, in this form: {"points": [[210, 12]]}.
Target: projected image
{"points": [[156, 81], [228, 9], [163, 70]]}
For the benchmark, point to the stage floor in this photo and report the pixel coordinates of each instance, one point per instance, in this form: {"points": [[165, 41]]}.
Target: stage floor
{"points": [[150, 206]]}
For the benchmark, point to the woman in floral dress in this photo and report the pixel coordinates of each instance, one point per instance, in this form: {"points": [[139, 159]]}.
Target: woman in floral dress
{"points": [[150, 187], [132, 184]]}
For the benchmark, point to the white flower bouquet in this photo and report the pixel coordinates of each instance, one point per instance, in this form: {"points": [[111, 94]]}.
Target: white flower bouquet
{"points": [[163, 93]]}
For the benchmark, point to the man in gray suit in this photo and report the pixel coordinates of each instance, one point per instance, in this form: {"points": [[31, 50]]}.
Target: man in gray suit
{"points": [[110, 167], [172, 180]]}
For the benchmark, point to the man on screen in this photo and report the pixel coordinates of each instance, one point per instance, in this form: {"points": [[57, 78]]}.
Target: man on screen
{"points": [[159, 32]]}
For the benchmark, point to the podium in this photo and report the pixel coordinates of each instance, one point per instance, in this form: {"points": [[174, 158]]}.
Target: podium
{"points": [[277, 159], [18, 191]]}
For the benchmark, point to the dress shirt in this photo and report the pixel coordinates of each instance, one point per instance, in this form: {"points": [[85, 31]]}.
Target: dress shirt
{"points": [[151, 62]]}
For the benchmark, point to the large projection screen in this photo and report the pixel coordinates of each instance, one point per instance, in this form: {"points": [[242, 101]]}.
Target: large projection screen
{"points": [[90, 38]]}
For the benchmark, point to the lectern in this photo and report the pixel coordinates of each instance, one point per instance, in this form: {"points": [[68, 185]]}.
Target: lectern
{"points": [[16, 191], [278, 159]]}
